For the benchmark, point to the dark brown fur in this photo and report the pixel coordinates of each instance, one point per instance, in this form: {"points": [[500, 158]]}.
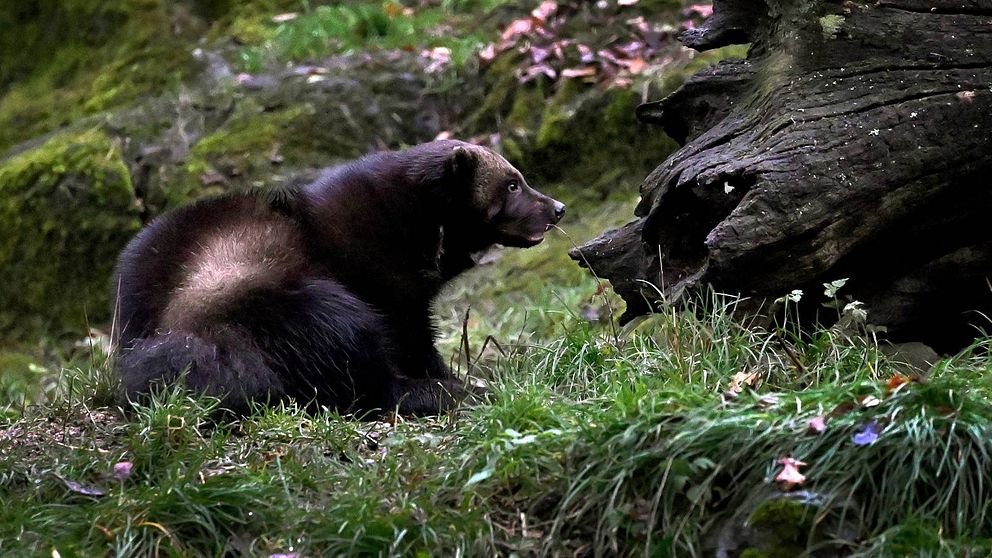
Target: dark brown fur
{"points": [[322, 294]]}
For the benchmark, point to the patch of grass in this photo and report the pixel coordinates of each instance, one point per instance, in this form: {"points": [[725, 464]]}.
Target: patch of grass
{"points": [[368, 25], [590, 442]]}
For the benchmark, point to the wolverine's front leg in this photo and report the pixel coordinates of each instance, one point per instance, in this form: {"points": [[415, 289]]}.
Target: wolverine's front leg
{"points": [[426, 396]]}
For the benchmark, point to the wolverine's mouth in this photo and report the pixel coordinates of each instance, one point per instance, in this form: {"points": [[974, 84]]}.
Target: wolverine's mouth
{"points": [[520, 241], [524, 237]]}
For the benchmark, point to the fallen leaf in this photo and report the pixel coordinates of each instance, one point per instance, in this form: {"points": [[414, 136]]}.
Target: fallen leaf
{"points": [[896, 382], [80, 489], [608, 56], [636, 65], [578, 72], [870, 401], [632, 48], [394, 9], [704, 10], [585, 54], [640, 24], [842, 409], [307, 70], [966, 96], [439, 57], [739, 380], [538, 54], [768, 400], [488, 54], [544, 10], [537, 70], [517, 27]]}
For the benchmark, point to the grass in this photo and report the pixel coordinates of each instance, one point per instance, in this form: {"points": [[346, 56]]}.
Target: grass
{"points": [[326, 30], [591, 442]]}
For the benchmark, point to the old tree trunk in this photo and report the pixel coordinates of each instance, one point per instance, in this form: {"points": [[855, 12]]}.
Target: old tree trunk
{"points": [[855, 141]]}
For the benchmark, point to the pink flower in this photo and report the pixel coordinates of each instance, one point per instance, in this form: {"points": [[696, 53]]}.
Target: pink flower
{"points": [[790, 475]]}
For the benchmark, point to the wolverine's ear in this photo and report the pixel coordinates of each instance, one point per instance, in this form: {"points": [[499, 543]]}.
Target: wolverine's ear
{"points": [[462, 161]]}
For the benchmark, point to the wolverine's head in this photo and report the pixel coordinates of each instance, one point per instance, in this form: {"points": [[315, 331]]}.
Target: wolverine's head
{"points": [[495, 199]]}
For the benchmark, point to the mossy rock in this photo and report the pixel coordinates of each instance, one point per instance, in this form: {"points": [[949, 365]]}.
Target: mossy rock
{"points": [[589, 140], [66, 210], [74, 58], [786, 524], [571, 133], [796, 524]]}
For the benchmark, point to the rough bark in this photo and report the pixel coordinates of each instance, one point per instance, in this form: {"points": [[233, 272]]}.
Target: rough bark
{"points": [[855, 141]]}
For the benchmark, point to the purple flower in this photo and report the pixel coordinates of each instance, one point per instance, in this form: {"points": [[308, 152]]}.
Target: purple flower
{"points": [[867, 435], [122, 470]]}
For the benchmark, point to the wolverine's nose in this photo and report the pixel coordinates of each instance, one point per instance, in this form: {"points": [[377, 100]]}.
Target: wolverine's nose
{"points": [[559, 210]]}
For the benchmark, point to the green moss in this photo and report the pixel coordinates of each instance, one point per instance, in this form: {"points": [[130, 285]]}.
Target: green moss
{"points": [[788, 524], [526, 110], [501, 85], [831, 25], [246, 22], [79, 57], [66, 209], [676, 76], [248, 141], [557, 114], [591, 141]]}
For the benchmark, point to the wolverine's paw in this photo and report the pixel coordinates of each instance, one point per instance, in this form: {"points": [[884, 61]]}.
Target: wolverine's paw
{"points": [[477, 388], [429, 396]]}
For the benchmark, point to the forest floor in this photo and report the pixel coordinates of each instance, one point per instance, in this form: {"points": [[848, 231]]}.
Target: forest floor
{"points": [[680, 434]]}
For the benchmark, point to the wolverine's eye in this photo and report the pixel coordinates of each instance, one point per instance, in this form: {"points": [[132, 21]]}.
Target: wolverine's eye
{"points": [[513, 186]]}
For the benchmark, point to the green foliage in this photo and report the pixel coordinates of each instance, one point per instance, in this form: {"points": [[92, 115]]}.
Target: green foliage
{"points": [[67, 209], [21, 377], [248, 141], [676, 76], [789, 523], [617, 445], [367, 25], [72, 59]]}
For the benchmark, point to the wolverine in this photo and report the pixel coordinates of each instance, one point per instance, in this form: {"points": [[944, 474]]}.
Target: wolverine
{"points": [[322, 293]]}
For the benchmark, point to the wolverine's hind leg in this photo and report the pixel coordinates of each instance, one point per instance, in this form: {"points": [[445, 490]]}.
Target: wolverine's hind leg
{"points": [[333, 350], [223, 364]]}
